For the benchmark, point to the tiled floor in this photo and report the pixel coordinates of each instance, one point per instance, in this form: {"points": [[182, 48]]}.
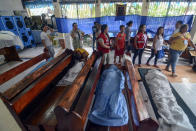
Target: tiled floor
{"points": [[188, 93]]}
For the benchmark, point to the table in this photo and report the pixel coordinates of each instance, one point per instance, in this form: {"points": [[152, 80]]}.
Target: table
{"points": [[8, 41]]}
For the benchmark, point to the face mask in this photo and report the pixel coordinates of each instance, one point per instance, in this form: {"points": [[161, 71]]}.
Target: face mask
{"points": [[185, 42]]}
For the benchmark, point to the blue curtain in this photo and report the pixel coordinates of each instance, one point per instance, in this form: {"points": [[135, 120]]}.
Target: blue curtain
{"points": [[64, 25]]}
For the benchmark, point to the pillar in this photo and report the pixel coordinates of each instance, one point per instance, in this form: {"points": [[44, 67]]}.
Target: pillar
{"points": [[98, 8], [58, 14], [145, 7], [193, 31]]}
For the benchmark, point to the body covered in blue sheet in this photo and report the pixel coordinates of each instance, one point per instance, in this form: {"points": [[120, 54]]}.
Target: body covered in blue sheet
{"points": [[110, 108]]}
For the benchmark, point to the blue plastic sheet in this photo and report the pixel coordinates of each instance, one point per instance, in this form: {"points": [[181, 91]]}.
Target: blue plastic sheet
{"points": [[110, 108], [64, 25], [41, 64]]}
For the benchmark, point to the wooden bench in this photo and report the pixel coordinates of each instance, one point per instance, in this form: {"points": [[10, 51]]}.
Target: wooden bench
{"points": [[4, 77], [141, 118], [72, 110], [33, 99]]}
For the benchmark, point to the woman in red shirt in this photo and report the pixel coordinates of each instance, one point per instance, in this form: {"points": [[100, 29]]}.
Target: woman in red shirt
{"points": [[120, 44], [140, 43], [103, 43]]}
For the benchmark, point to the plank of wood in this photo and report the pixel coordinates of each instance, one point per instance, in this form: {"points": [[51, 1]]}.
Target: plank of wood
{"points": [[25, 99], [147, 102], [20, 68], [21, 85], [119, 128], [83, 105], [70, 95], [140, 106]]}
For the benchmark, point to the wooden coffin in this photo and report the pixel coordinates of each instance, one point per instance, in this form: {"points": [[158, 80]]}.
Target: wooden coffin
{"points": [[144, 111], [72, 111], [145, 88]]}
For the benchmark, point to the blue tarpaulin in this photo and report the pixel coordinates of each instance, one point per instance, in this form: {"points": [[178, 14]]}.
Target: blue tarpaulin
{"points": [[64, 25], [110, 108]]}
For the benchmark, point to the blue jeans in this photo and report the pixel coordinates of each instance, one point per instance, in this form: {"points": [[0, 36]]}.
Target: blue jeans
{"points": [[152, 55], [94, 40], [173, 59], [51, 50], [136, 53]]}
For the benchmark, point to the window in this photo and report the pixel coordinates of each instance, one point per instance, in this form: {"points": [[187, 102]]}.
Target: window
{"points": [[69, 10], [192, 9], [134, 8], [86, 10], [158, 9], [78, 10], [177, 8], [108, 9]]}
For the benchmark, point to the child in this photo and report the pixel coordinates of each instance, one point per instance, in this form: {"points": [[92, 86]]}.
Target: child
{"points": [[140, 43], [157, 46], [120, 44]]}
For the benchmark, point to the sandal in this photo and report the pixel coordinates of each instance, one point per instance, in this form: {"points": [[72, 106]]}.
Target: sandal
{"points": [[147, 64], [156, 66], [167, 70], [174, 75]]}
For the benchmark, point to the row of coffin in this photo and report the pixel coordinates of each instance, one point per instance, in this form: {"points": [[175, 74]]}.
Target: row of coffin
{"points": [[36, 103]]}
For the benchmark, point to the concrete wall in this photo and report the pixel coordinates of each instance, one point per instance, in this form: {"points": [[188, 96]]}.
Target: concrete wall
{"points": [[11, 5], [7, 122], [7, 7]]}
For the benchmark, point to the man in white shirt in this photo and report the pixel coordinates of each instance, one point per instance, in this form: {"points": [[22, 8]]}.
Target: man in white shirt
{"points": [[46, 41], [178, 25]]}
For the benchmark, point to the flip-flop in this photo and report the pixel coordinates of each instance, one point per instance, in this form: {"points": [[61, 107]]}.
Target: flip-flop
{"points": [[174, 75], [156, 66], [167, 70]]}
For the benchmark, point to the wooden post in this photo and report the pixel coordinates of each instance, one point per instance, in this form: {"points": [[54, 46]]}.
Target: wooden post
{"points": [[58, 14], [193, 31], [145, 7], [98, 8]]}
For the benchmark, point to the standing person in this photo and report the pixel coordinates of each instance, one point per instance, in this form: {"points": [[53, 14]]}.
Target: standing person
{"points": [[76, 35], [178, 25], [158, 42], [179, 43], [46, 41], [103, 43], [97, 33], [128, 35], [94, 29], [120, 44], [140, 43]]}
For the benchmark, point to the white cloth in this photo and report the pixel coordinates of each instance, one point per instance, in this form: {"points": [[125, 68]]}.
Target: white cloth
{"points": [[71, 75], [68, 42], [172, 115], [8, 39], [159, 43], [44, 36]]}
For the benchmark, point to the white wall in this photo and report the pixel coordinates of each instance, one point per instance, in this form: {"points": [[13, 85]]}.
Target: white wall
{"points": [[7, 121], [11, 5]]}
